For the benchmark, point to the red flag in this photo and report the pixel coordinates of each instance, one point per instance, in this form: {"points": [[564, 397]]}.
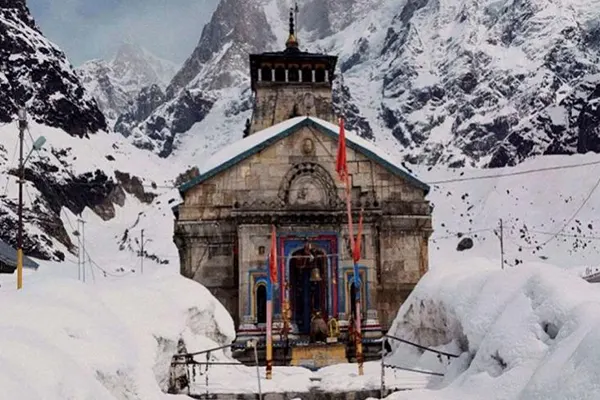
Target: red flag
{"points": [[273, 256], [341, 166], [356, 252]]}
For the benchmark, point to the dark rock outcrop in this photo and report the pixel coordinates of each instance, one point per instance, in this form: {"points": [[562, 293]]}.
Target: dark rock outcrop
{"points": [[35, 73]]}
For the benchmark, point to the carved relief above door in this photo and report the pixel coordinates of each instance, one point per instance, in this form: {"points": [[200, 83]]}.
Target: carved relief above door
{"points": [[308, 185]]}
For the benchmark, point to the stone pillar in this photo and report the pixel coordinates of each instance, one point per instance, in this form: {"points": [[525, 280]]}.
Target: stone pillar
{"points": [[300, 72], [260, 74], [287, 75], [314, 76], [326, 75], [272, 74]]}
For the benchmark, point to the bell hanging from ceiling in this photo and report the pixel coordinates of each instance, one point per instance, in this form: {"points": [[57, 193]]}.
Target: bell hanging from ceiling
{"points": [[315, 275]]}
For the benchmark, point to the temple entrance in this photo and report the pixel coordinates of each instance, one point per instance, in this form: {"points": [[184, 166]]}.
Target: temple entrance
{"points": [[308, 286]]}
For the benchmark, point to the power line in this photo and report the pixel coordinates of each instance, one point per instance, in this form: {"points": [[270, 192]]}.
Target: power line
{"points": [[453, 235], [585, 201], [504, 175]]}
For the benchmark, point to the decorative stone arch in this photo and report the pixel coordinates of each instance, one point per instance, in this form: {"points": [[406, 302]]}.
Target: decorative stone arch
{"points": [[308, 185]]}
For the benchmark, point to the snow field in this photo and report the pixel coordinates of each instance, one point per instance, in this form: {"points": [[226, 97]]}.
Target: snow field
{"points": [[61, 339], [522, 333]]}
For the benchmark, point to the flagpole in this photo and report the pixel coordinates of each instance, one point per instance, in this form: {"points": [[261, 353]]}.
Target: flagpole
{"points": [[269, 358], [271, 279], [342, 169], [357, 283]]}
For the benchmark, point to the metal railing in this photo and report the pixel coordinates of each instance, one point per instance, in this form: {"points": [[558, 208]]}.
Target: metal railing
{"points": [[186, 377], [385, 365]]}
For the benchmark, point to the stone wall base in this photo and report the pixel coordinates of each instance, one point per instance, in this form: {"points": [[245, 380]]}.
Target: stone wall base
{"points": [[312, 395]]}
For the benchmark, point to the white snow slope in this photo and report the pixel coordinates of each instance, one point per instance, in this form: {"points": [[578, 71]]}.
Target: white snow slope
{"points": [[529, 332], [66, 340]]}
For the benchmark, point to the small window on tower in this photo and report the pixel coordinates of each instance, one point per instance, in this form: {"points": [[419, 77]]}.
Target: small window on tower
{"points": [[279, 74], [320, 75], [306, 74], [261, 250], [266, 74], [294, 75]]}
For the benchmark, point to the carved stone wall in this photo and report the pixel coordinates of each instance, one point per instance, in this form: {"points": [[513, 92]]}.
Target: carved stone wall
{"points": [[261, 181], [277, 103], [293, 183]]}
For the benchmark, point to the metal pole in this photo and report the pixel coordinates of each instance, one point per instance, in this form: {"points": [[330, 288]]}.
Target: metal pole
{"points": [[79, 251], [83, 247], [22, 127], [142, 255], [382, 393], [255, 342], [502, 243], [207, 366]]}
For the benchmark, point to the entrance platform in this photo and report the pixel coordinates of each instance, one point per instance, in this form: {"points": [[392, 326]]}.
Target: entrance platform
{"points": [[318, 355], [302, 349]]}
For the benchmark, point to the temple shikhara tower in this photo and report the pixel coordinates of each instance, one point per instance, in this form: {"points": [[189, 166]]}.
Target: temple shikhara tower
{"points": [[283, 173]]}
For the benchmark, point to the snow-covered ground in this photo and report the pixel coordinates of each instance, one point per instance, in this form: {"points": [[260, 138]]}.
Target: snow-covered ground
{"points": [[529, 332], [61, 339], [335, 378], [62, 321]]}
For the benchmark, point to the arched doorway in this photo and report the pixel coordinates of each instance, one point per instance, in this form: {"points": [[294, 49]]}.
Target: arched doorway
{"points": [[352, 301], [261, 304], [307, 294]]}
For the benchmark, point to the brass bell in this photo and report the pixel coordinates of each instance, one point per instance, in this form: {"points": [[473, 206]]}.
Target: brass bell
{"points": [[315, 275]]}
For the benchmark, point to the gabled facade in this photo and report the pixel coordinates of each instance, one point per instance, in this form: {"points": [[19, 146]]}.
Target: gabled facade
{"points": [[283, 174], [286, 176]]}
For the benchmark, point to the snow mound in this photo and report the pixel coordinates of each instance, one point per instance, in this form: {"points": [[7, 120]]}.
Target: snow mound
{"points": [[523, 333], [61, 339]]}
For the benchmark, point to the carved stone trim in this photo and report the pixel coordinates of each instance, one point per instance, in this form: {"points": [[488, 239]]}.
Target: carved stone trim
{"points": [[317, 175]]}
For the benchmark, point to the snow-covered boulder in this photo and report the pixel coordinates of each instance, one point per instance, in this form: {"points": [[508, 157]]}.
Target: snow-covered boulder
{"points": [[522, 333], [61, 339]]}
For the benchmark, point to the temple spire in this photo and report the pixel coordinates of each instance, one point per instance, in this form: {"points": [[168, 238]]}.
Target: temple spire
{"points": [[292, 42]]}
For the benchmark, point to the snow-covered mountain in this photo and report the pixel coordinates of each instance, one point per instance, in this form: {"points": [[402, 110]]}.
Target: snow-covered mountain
{"points": [[82, 167], [117, 83], [483, 83]]}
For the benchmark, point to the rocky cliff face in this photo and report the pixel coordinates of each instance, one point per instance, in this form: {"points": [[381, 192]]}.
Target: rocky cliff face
{"points": [[491, 83], [482, 83], [36, 74], [82, 165], [117, 83]]}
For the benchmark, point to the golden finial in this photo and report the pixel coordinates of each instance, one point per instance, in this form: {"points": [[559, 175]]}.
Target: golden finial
{"points": [[292, 42]]}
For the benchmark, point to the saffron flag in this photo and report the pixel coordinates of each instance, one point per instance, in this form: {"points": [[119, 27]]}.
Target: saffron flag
{"points": [[273, 256], [341, 166]]}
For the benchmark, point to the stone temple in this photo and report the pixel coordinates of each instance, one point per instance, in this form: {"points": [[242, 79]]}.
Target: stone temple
{"points": [[282, 173]]}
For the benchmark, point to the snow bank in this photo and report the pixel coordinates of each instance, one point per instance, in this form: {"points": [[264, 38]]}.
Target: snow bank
{"points": [[530, 332], [61, 339]]}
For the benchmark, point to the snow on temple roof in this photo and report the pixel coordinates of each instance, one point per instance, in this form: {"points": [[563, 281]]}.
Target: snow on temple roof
{"points": [[240, 150]]}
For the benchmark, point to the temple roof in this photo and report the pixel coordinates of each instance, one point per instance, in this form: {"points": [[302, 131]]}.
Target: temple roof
{"points": [[242, 149]]}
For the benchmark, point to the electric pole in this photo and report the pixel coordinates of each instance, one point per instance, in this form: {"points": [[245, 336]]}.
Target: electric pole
{"points": [[82, 246], [22, 127], [78, 253], [142, 252], [142, 244], [502, 243]]}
